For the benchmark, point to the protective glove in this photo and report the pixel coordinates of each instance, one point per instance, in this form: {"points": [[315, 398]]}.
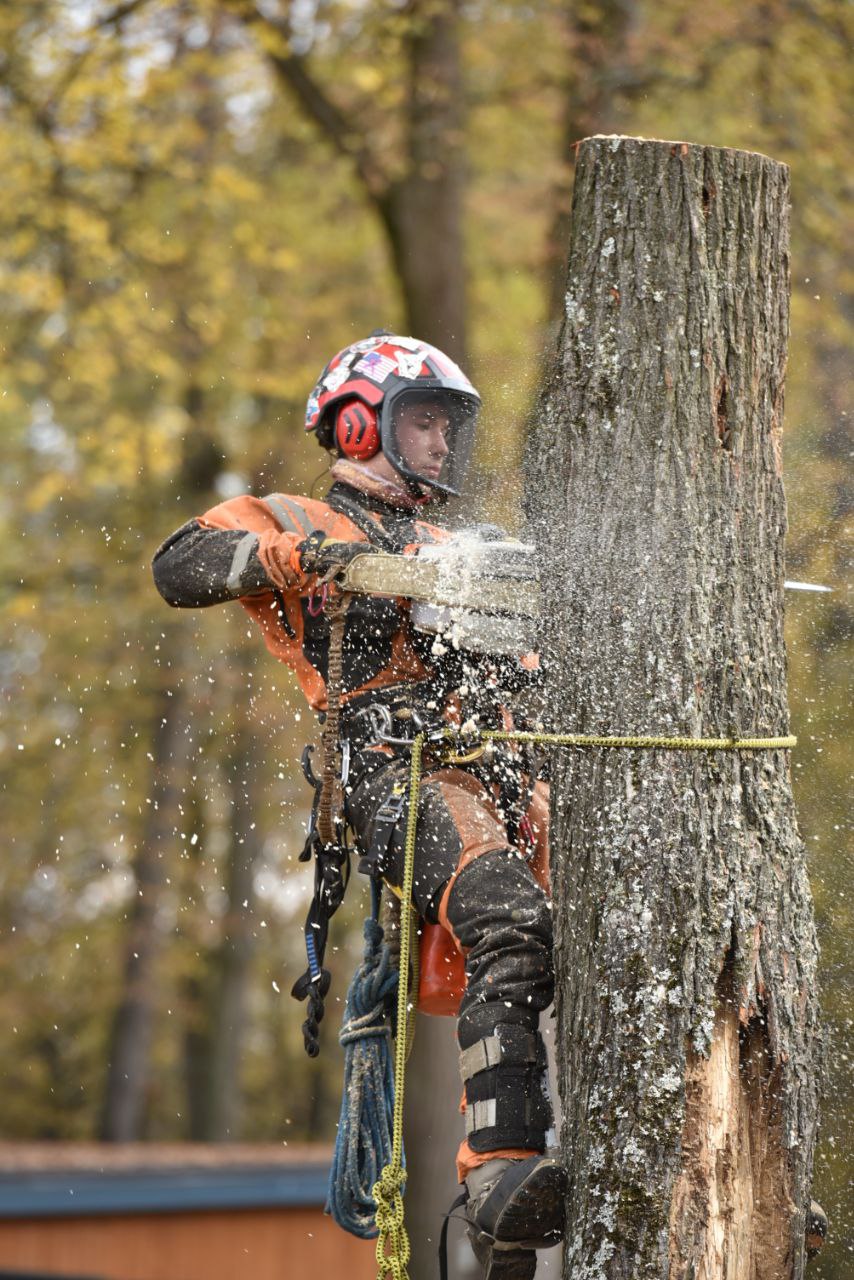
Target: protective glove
{"points": [[327, 557]]}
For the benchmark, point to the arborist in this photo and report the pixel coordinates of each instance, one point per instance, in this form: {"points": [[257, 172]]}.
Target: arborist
{"points": [[400, 417]]}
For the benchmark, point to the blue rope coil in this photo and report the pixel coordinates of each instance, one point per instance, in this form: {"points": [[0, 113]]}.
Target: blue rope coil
{"points": [[364, 1142]]}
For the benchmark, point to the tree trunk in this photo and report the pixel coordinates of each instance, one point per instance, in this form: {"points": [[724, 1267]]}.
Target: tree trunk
{"points": [[601, 77], [423, 211], [688, 1036], [233, 962], [128, 1067], [432, 1133], [194, 982], [420, 206], [129, 1061]]}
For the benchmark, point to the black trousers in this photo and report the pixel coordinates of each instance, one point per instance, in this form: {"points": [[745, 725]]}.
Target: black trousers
{"points": [[468, 878]]}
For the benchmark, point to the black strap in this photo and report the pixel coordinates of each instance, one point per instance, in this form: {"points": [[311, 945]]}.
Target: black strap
{"points": [[386, 822], [443, 1238], [331, 861], [282, 615], [348, 506], [331, 874]]}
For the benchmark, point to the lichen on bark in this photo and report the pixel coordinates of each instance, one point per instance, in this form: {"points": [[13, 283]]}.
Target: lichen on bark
{"points": [[681, 896]]}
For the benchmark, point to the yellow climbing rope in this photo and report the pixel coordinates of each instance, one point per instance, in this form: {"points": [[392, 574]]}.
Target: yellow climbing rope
{"points": [[392, 1241], [643, 742]]}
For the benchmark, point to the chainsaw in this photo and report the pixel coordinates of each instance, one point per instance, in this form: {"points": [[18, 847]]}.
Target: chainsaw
{"points": [[476, 595], [482, 597]]}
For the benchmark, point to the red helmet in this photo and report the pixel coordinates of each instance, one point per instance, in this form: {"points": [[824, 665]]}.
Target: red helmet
{"points": [[354, 403]]}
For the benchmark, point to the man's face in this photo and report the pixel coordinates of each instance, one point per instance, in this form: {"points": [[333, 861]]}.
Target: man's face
{"points": [[422, 428]]}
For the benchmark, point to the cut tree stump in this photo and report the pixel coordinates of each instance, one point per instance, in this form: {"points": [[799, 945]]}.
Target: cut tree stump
{"points": [[688, 1031]]}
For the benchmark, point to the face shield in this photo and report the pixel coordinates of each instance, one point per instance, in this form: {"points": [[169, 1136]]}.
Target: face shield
{"points": [[427, 436]]}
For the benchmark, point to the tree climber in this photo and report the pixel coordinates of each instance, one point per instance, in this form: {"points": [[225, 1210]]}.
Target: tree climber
{"points": [[400, 417]]}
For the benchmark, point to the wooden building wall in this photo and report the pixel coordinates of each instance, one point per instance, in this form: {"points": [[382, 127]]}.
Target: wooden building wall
{"points": [[254, 1244]]}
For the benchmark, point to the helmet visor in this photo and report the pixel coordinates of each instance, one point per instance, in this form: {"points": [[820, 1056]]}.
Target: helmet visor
{"points": [[429, 437]]}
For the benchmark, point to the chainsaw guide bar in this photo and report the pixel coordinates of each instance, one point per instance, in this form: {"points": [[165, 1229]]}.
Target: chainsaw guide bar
{"points": [[482, 596]]}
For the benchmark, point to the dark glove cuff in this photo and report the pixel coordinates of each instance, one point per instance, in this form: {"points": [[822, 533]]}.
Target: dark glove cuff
{"points": [[309, 552], [326, 557]]}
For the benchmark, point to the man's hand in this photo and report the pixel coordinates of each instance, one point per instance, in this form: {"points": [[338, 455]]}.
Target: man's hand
{"points": [[327, 557]]}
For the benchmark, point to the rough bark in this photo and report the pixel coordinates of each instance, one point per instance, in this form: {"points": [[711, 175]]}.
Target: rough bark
{"points": [[688, 1032]]}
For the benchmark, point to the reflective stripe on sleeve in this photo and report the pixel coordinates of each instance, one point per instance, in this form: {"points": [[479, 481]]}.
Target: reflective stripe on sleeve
{"points": [[289, 514], [488, 1053], [240, 559]]}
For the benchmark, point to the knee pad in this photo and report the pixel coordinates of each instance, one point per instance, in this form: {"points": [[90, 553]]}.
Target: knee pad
{"points": [[497, 891], [507, 1094], [502, 919]]}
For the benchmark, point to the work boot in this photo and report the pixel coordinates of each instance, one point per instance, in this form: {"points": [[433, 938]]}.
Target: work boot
{"points": [[515, 1207], [816, 1228], [502, 1264]]}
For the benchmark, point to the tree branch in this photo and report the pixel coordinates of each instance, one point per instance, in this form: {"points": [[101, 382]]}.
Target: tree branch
{"points": [[293, 71], [347, 141], [118, 14]]}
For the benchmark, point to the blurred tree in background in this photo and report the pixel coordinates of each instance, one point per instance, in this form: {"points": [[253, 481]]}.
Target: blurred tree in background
{"points": [[204, 199]]}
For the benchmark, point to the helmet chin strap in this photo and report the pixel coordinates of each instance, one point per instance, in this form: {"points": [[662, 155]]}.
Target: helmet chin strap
{"points": [[420, 490], [424, 490]]}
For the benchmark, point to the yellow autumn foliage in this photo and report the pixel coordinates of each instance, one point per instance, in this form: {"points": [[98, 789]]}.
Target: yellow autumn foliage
{"points": [[183, 248]]}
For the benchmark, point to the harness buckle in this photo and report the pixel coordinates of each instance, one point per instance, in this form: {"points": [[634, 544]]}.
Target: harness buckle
{"points": [[386, 823], [391, 809]]}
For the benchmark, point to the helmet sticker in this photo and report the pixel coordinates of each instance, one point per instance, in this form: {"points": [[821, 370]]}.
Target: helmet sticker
{"points": [[336, 376], [409, 364], [378, 372], [376, 366]]}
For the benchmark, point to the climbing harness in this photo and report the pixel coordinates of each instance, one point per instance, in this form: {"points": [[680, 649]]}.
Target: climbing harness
{"points": [[326, 841]]}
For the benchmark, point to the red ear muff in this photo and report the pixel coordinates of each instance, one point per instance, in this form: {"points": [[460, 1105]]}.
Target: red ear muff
{"points": [[356, 430]]}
